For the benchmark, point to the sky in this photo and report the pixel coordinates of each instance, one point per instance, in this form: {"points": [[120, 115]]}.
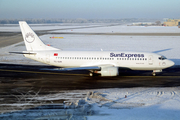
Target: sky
{"points": [[89, 9]]}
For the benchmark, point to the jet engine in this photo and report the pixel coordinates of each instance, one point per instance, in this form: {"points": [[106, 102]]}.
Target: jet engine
{"points": [[109, 71]]}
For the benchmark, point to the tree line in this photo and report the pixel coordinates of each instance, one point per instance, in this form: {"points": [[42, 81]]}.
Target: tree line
{"points": [[80, 20]]}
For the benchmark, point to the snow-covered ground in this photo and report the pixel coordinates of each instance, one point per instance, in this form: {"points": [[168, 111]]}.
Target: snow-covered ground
{"points": [[105, 104], [139, 103], [126, 29], [95, 28], [15, 27]]}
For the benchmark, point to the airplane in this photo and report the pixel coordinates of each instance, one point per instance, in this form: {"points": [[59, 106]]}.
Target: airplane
{"points": [[105, 63]]}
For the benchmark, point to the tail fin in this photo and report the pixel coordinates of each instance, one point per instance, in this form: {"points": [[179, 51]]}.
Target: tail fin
{"points": [[32, 41]]}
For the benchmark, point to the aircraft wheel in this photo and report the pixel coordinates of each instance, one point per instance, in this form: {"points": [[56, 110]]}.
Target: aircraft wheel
{"points": [[154, 74], [91, 74]]}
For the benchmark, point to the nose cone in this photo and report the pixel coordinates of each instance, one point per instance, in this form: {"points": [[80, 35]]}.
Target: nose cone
{"points": [[170, 63]]}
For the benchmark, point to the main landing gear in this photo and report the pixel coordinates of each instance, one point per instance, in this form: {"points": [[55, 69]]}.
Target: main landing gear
{"points": [[91, 74]]}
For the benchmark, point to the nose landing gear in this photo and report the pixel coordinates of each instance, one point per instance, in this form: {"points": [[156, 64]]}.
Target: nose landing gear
{"points": [[154, 72]]}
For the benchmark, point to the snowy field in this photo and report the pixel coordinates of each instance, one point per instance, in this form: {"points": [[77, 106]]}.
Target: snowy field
{"points": [[106, 104], [139, 103], [126, 29], [94, 28]]}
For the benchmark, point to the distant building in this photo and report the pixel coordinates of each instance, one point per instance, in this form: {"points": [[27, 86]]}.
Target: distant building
{"points": [[172, 22]]}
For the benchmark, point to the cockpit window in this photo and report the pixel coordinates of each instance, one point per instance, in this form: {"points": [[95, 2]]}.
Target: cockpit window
{"points": [[162, 58]]}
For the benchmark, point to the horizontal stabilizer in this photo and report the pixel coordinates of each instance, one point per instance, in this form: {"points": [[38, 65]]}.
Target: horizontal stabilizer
{"points": [[24, 52]]}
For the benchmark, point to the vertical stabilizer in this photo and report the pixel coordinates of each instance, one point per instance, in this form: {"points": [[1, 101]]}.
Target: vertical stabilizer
{"points": [[32, 41]]}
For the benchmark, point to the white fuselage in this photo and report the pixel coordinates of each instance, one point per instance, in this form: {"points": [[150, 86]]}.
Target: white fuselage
{"points": [[107, 62], [131, 60]]}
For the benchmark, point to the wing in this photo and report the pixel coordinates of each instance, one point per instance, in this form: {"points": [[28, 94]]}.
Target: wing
{"points": [[162, 50], [70, 69], [84, 67]]}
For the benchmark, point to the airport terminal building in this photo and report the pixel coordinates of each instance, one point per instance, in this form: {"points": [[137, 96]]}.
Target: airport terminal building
{"points": [[172, 22]]}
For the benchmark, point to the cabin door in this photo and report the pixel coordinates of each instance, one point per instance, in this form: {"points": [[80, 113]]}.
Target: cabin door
{"points": [[47, 58], [150, 60]]}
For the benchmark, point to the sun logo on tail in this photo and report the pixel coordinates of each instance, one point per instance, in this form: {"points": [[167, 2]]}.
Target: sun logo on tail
{"points": [[29, 37]]}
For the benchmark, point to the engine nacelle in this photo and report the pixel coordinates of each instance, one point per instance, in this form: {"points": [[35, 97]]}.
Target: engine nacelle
{"points": [[109, 71]]}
